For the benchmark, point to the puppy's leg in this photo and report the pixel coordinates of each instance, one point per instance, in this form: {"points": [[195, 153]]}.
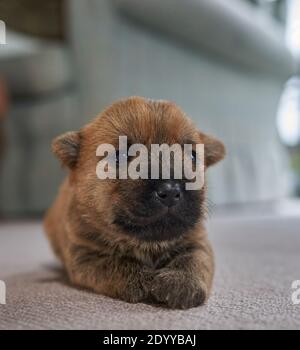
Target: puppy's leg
{"points": [[186, 281], [115, 276]]}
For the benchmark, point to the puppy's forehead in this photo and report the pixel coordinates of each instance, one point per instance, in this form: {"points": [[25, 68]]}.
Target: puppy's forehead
{"points": [[145, 121]]}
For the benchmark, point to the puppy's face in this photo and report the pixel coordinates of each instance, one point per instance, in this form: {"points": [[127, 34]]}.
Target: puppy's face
{"points": [[148, 209]]}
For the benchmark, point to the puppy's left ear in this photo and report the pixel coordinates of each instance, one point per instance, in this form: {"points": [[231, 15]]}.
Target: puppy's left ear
{"points": [[214, 150], [66, 148]]}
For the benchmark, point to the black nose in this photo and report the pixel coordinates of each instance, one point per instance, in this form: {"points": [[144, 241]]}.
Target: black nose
{"points": [[169, 193]]}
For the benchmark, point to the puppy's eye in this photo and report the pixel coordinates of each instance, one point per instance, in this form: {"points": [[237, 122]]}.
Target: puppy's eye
{"points": [[194, 156], [121, 157]]}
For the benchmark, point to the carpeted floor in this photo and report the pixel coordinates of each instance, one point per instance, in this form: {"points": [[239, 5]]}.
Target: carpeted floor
{"points": [[257, 260]]}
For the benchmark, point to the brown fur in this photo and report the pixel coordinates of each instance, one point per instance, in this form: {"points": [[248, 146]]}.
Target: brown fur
{"points": [[99, 254]]}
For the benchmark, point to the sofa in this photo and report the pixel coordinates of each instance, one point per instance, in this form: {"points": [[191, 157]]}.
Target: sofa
{"points": [[38, 75], [224, 62]]}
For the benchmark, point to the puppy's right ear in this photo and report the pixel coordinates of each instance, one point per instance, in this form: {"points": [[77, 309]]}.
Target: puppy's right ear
{"points": [[66, 148]]}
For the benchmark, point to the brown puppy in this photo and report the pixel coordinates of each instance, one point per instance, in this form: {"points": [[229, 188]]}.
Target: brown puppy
{"points": [[114, 236]]}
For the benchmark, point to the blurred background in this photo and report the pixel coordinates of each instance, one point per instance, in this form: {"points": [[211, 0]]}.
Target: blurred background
{"points": [[232, 65]]}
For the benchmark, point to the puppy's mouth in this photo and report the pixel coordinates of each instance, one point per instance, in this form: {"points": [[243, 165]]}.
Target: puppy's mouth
{"points": [[167, 223], [142, 219]]}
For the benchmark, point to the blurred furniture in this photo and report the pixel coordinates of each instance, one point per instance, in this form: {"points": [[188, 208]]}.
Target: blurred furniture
{"points": [[40, 18], [43, 103], [223, 62]]}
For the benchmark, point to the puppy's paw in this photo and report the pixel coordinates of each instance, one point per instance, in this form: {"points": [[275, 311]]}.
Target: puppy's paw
{"points": [[137, 290], [176, 290], [132, 294]]}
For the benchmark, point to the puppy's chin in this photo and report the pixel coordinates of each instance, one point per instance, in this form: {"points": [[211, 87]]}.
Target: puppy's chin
{"points": [[166, 225]]}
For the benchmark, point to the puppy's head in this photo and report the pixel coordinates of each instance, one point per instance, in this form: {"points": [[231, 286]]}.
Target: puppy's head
{"points": [[147, 209]]}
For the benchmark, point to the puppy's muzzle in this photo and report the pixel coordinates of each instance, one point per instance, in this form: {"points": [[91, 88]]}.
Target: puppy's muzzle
{"points": [[169, 193]]}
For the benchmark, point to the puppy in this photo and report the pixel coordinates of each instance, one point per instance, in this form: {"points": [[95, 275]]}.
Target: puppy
{"points": [[137, 240]]}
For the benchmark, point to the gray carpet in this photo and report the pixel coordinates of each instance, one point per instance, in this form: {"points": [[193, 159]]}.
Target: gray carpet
{"points": [[257, 260]]}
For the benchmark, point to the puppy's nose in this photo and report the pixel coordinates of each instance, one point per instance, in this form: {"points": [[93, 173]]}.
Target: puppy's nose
{"points": [[169, 193]]}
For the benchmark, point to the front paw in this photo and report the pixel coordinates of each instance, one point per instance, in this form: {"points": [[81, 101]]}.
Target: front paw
{"points": [[177, 290], [137, 289], [133, 293]]}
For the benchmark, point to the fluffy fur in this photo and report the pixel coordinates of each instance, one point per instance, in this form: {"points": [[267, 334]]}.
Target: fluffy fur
{"points": [[111, 235]]}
